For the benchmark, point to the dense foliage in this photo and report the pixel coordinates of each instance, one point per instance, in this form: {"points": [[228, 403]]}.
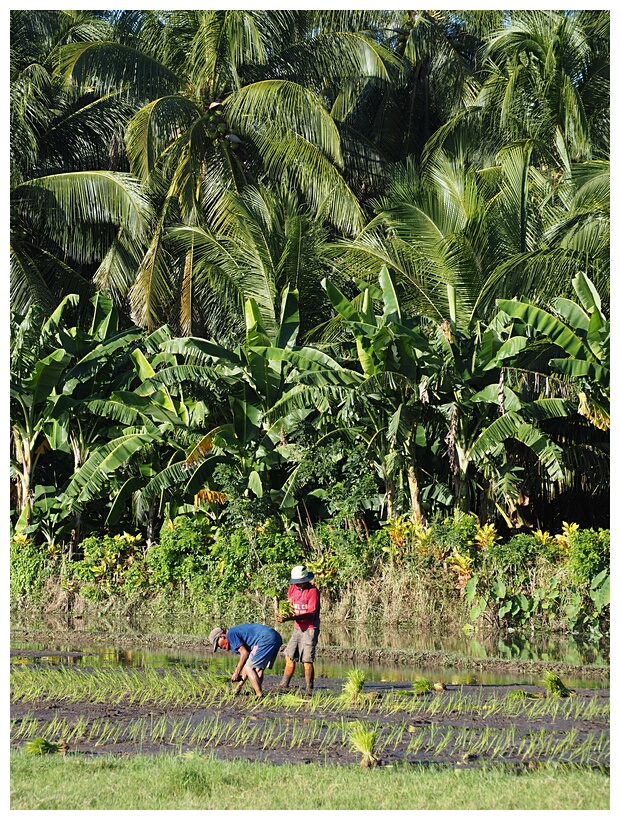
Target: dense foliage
{"points": [[279, 278]]}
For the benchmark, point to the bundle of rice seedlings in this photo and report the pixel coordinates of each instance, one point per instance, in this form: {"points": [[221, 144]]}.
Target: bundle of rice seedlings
{"points": [[363, 741], [41, 746], [521, 694], [352, 687], [439, 686], [422, 685], [285, 609], [555, 687], [291, 700]]}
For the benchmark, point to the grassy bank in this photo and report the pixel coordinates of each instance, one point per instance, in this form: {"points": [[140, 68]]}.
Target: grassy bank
{"points": [[194, 782]]}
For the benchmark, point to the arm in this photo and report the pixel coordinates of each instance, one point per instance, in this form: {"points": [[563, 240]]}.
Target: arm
{"points": [[244, 654]]}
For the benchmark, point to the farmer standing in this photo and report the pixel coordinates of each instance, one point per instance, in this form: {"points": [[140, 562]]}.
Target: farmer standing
{"points": [[256, 644], [306, 601]]}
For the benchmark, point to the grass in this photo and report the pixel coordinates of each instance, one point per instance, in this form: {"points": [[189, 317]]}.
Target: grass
{"points": [[192, 781]]}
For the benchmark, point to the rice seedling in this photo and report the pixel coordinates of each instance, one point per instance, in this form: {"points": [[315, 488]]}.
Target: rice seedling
{"points": [[555, 687], [159, 728], [353, 685], [291, 700], [107, 732], [195, 739], [395, 736], [364, 740], [447, 736], [95, 728], [134, 729], [417, 741], [435, 707], [285, 609], [28, 726], [54, 725], [421, 685], [41, 746], [521, 694], [79, 730]]}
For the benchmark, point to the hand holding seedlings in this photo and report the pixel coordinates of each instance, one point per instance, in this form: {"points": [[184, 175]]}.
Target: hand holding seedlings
{"points": [[285, 612]]}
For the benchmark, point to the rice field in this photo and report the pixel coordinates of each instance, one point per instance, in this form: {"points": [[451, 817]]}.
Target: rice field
{"points": [[346, 722]]}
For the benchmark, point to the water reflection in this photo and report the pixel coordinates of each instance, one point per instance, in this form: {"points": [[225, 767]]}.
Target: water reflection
{"points": [[107, 655], [509, 645], [569, 649]]}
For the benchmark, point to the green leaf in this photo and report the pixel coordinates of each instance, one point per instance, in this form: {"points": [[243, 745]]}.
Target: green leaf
{"points": [[506, 608], [340, 302], [601, 596], [289, 319], [470, 589], [499, 589], [598, 579], [546, 324], [391, 307], [524, 602], [90, 480], [118, 504], [46, 375], [255, 484]]}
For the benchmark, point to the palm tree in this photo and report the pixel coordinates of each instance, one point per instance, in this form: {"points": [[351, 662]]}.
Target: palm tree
{"points": [[226, 97], [266, 241], [544, 76], [451, 232]]}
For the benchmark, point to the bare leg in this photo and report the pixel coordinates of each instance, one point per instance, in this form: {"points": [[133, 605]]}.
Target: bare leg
{"points": [[289, 671], [254, 680], [309, 676]]}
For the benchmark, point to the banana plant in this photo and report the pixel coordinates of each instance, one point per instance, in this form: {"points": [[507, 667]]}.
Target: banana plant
{"points": [[381, 404], [581, 333], [255, 377], [38, 363], [484, 417], [148, 425]]}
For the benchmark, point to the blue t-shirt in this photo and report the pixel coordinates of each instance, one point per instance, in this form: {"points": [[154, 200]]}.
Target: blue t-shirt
{"points": [[249, 635]]}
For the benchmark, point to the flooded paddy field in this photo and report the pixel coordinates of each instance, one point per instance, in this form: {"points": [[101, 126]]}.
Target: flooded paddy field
{"points": [[121, 700]]}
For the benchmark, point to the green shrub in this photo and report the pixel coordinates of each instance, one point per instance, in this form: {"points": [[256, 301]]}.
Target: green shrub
{"points": [[276, 547], [457, 534], [27, 564], [183, 551], [340, 556], [519, 551], [112, 564], [588, 554]]}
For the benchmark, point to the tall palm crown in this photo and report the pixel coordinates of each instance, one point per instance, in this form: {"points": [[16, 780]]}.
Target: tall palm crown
{"points": [[223, 99], [68, 190]]}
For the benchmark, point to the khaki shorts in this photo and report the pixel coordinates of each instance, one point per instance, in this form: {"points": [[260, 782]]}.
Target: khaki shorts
{"points": [[302, 645]]}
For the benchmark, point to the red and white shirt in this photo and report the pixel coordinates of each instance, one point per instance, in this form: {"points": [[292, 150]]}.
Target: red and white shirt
{"points": [[307, 606]]}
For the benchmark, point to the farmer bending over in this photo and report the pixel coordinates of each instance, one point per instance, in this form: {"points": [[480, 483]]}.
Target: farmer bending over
{"points": [[306, 602], [256, 644]]}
